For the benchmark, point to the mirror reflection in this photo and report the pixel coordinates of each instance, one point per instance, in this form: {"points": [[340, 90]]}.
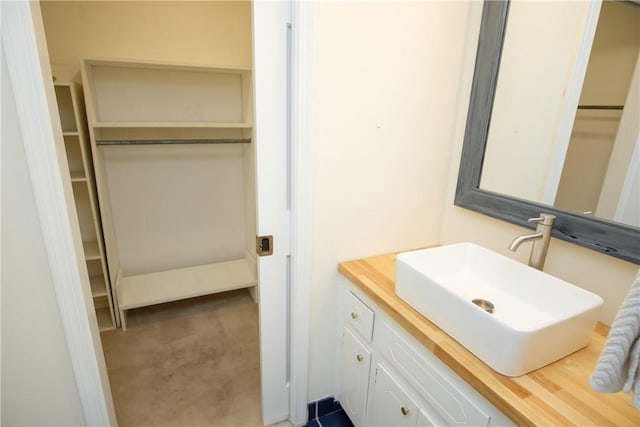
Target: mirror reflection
{"points": [[567, 109]]}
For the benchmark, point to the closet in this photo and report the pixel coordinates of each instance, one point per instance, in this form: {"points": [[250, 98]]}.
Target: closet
{"points": [[171, 147], [158, 130], [151, 105], [170, 108]]}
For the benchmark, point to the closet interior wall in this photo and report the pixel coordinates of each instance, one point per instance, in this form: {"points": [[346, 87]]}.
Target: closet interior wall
{"points": [[165, 207], [613, 58]]}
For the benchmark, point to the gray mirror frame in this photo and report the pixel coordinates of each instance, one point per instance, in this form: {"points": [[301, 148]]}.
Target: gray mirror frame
{"points": [[608, 237]]}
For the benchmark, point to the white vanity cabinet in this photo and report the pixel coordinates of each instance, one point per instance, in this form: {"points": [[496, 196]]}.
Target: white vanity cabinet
{"points": [[406, 384]]}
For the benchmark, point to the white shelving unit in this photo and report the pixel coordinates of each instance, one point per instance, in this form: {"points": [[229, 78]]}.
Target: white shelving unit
{"points": [[150, 104], [147, 101], [73, 121]]}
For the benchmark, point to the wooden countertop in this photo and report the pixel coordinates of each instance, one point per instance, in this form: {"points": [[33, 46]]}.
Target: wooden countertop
{"points": [[557, 394]]}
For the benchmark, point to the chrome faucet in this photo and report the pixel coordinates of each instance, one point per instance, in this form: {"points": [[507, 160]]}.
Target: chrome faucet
{"points": [[540, 239]]}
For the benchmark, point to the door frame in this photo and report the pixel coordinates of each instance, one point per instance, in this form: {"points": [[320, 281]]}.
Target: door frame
{"points": [[24, 46], [301, 122]]}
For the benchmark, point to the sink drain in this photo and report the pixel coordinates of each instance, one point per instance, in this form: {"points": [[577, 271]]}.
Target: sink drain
{"points": [[484, 304]]}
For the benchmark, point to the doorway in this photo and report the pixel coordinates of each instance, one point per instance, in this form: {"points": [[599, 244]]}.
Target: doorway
{"points": [[277, 392]]}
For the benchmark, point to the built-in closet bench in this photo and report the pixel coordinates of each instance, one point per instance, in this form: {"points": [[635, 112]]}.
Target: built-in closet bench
{"points": [[159, 287]]}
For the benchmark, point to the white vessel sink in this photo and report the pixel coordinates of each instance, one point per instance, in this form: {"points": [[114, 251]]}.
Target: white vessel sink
{"points": [[537, 318]]}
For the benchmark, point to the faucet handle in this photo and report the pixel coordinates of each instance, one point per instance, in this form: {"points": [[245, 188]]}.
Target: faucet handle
{"points": [[544, 219]]}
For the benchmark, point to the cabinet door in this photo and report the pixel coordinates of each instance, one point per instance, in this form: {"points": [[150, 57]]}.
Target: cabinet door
{"points": [[391, 404], [426, 420], [356, 361]]}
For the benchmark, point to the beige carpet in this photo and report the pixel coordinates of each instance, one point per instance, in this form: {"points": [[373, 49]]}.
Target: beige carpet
{"points": [[188, 363]]}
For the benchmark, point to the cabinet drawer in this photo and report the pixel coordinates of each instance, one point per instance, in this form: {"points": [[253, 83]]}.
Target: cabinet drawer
{"points": [[455, 407], [359, 316]]}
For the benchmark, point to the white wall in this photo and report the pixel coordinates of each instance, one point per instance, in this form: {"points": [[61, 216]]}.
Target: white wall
{"points": [[200, 32], [38, 382], [613, 55], [176, 207], [606, 276], [386, 85]]}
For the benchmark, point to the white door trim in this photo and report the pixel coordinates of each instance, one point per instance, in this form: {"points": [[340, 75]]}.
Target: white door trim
{"points": [[29, 72], [302, 52]]}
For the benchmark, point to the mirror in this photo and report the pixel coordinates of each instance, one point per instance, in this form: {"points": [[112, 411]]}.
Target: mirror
{"points": [[486, 153], [575, 152]]}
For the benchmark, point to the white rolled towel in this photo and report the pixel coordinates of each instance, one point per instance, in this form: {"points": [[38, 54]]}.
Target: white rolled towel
{"points": [[618, 368]]}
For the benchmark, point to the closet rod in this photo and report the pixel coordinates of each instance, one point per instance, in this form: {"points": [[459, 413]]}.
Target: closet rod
{"points": [[600, 107], [174, 141]]}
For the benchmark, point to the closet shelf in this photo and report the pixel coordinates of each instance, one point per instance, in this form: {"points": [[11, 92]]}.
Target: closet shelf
{"points": [[78, 176], [70, 133], [172, 285], [104, 319], [600, 107], [169, 125], [91, 250], [98, 286], [175, 141]]}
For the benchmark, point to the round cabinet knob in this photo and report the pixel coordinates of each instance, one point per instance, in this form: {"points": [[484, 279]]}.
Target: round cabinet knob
{"points": [[404, 410], [354, 315], [359, 357]]}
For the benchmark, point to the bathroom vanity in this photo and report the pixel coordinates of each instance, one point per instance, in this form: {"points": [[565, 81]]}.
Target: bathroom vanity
{"points": [[398, 368], [389, 379]]}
